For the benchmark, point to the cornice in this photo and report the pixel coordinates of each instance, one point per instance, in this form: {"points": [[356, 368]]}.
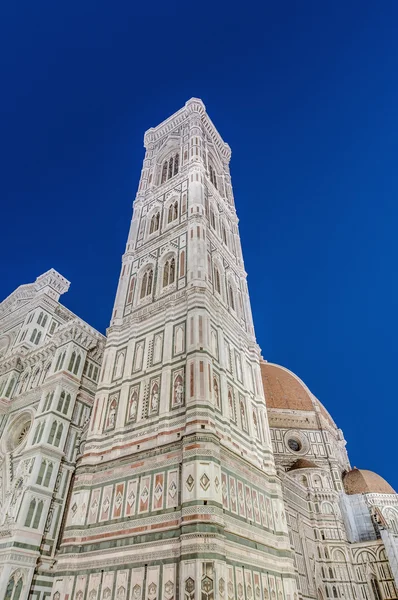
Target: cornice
{"points": [[194, 107]]}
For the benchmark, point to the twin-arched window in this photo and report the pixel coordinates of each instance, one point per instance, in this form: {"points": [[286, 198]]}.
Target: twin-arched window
{"points": [[44, 476], [74, 363], [60, 361], [172, 214], [38, 433], [155, 221], [35, 337], [213, 176], [63, 402], [170, 167], [34, 514], [146, 284], [169, 270], [55, 434]]}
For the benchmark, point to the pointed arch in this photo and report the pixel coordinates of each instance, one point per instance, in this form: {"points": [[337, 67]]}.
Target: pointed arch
{"points": [[38, 513], [49, 472], [59, 435], [77, 364]]}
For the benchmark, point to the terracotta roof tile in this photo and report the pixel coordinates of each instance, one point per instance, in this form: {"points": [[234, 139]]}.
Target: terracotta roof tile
{"points": [[361, 481]]}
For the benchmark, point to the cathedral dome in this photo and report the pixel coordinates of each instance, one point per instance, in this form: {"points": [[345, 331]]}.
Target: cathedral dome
{"points": [[361, 481], [303, 463], [284, 390]]}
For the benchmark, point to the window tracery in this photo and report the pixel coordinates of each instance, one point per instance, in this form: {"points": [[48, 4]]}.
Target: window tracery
{"points": [[169, 272], [155, 222], [170, 167], [213, 176], [146, 284]]}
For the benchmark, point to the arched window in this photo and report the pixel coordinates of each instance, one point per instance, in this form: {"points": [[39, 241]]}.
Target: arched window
{"points": [[130, 294], [36, 520], [331, 573], [58, 436], [164, 172], [155, 220], [41, 472], [217, 282], [40, 433], [213, 177], [172, 213], [335, 594], [52, 432], [231, 297], [169, 272], [49, 472], [44, 321], [36, 434], [40, 317], [184, 204], [31, 510], [66, 405], [33, 336], [72, 361], [170, 167], [146, 284], [48, 400], [61, 401], [77, 364]]}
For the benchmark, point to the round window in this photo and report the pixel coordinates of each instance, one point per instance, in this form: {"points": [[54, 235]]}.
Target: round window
{"points": [[23, 432], [294, 445]]}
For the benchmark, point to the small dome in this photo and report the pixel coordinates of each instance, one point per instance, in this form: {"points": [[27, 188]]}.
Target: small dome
{"points": [[302, 463], [361, 481], [284, 390]]}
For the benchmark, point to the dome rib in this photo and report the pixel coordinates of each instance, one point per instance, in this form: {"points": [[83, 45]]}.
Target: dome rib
{"points": [[284, 390]]}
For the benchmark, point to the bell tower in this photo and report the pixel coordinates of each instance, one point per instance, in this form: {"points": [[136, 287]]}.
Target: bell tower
{"points": [[176, 496]]}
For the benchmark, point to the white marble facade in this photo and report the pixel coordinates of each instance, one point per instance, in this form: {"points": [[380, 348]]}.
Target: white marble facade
{"points": [[188, 485]]}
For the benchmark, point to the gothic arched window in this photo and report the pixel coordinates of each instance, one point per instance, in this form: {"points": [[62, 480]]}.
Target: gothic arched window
{"points": [[170, 167], [164, 172], [52, 432], [130, 294], [49, 472], [213, 177], [172, 214], [77, 364], [169, 272], [155, 220], [31, 511], [58, 436], [72, 361], [36, 520], [146, 284]]}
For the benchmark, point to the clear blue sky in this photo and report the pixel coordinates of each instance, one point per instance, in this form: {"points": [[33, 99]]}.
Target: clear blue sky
{"points": [[305, 93]]}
